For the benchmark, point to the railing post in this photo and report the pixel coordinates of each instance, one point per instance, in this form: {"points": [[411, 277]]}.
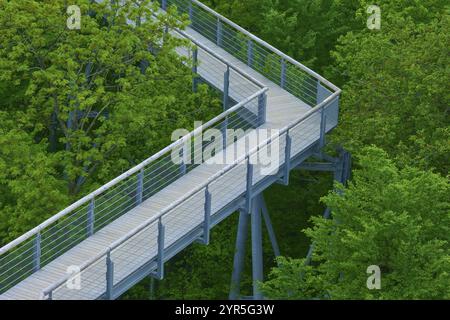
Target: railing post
{"points": [[191, 12], [207, 216], [323, 123], [219, 33], [91, 218], [283, 73], [164, 4], [37, 252], [249, 52], [159, 274], [262, 104], [195, 69], [226, 88], [184, 159], [287, 159], [248, 200], [109, 276], [140, 187], [225, 135]]}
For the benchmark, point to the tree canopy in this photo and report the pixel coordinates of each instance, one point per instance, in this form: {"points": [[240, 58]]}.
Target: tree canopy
{"points": [[79, 107], [82, 106], [394, 218]]}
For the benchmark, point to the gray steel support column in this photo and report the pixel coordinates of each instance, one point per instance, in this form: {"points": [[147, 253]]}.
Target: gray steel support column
{"points": [[268, 222], [239, 255], [257, 253], [152, 288]]}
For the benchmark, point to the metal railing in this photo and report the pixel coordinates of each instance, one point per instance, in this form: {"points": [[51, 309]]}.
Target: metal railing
{"points": [[91, 213], [315, 123], [276, 66], [33, 250]]}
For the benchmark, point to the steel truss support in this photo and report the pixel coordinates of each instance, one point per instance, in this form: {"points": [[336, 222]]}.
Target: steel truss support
{"points": [[341, 167], [255, 215]]}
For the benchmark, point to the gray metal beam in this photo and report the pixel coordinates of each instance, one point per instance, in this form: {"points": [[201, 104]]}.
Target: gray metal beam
{"points": [[270, 230], [257, 253], [317, 166], [239, 255]]}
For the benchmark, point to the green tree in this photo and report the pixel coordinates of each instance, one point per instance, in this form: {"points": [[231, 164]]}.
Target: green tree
{"points": [[395, 85], [81, 106], [395, 218], [98, 94]]}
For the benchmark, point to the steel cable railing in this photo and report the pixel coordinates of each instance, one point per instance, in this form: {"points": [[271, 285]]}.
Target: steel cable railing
{"points": [[297, 136], [130, 189], [117, 258], [276, 66], [30, 252]]}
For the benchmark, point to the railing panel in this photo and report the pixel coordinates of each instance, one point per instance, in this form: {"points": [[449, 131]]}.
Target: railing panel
{"points": [[250, 51], [305, 133], [136, 251], [92, 281], [228, 187], [90, 214], [180, 220], [270, 156]]}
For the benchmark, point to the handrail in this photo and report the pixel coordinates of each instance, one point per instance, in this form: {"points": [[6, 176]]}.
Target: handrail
{"points": [[320, 106], [141, 227], [137, 168], [267, 45]]}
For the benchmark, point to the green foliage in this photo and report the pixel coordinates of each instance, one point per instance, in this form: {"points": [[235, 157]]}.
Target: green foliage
{"points": [[396, 218], [394, 214], [30, 190], [304, 29], [82, 106], [395, 92]]}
